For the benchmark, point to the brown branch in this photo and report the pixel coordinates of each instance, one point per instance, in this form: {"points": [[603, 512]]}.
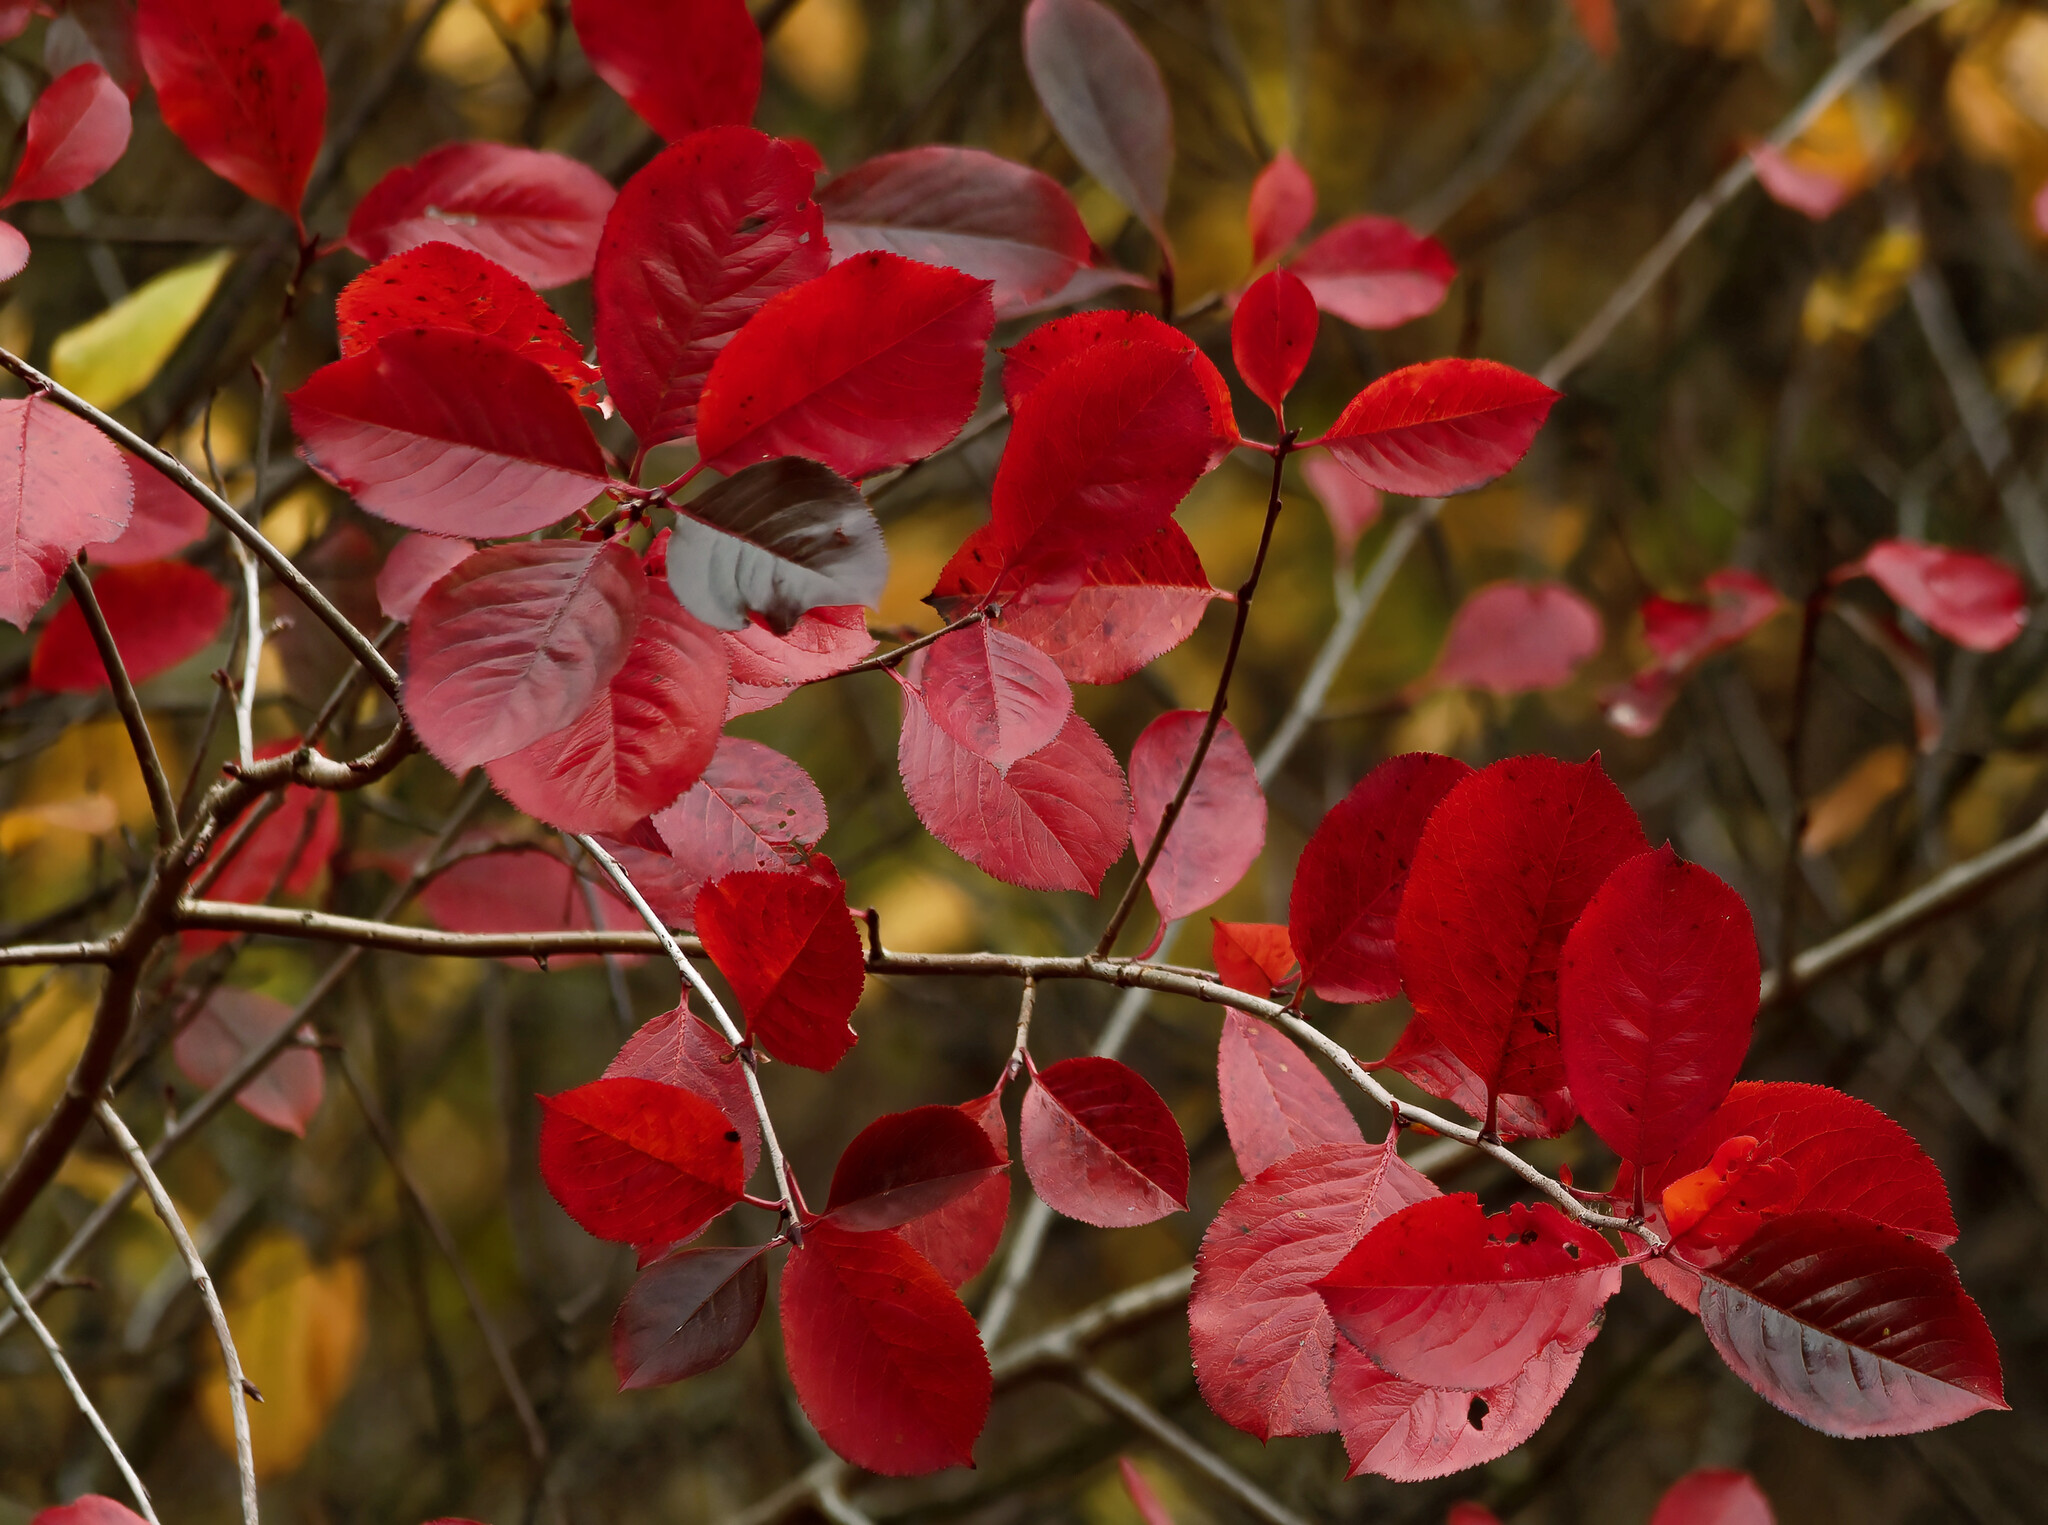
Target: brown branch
{"points": [[57, 953], [385, 936], [161, 805]]}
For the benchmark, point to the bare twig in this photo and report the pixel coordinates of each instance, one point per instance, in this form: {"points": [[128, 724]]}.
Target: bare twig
{"points": [[96, 952], [161, 805], [238, 1385], [71, 1385]]}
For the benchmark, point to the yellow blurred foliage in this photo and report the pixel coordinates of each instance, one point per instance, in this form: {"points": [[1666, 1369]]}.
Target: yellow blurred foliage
{"points": [[299, 1330], [821, 48], [464, 48], [1506, 520], [1847, 806], [91, 814], [1213, 246], [1998, 94], [454, 1160], [94, 758], [918, 548], [108, 359], [17, 328], [1851, 305], [296, 519], [36, 1054], [1101, 213], [923, 912], [1855, 140], [1448, 721], [2019, 371], [1730, 27], [1979, 816]]}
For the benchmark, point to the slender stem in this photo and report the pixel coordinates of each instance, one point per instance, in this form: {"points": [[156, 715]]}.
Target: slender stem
{"points": [[1019, 1049], [697, 982], [1245, 593], [25, 954], [161, 805], [895, 655], [71, 1385], [238, 1384], [1140, 1415]]}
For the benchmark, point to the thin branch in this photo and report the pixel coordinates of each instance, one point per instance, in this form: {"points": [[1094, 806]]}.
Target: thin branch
{"points": [[360, 646], [57, 953], [494, 1341], [1650, 269], [896, 654], [238, 1384], [71, 1385], [320, 926], [161, 805]]}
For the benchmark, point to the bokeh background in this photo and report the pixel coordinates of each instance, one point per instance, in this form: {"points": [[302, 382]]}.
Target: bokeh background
{"points": [[1777, 402]]}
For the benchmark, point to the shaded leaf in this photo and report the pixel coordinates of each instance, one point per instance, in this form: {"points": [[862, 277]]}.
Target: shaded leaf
{"points": [[158, 612], [1410, 1433], [525, 890], [1272, 334], [415, 564], [1714, 1496], [63, 486], [690, 1311], [997, 696], [76, 131], [1282, 205], [907, 1164], [961, 1237], [681, 64], [766, 667], [233, 1023], [1150, 1510], [1101, 1146], [1353, 507], [1275, 1101], [753, 809], [87, 1508], [1221, 829], [1442, 427], [638, 1162], [1421, 1056], [777, 539], [1375, 272], [1516, 638], [679, 1049], [165, 520], [787, 946], [1685, 634]]}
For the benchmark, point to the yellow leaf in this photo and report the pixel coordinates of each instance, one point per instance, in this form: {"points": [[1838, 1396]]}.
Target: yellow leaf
{"points": [[2019, 371], [513, 14], [299, 1331], [1847, 807], [1998, 94], [39, 1049], [1853, 304], [927, 913], [1854, 140], [1981, 814], [94, 758], [1730, 27], [1446, 721], [820, 48], [296, 519], [464, 49], [92, 813], [108, 359]]}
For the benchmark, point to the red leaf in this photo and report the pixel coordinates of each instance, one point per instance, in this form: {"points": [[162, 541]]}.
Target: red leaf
{"points": [[1055, 821], [1283, 204], [767, 666], [448, 286], [1683, 635], [1421, 1057], [239, 82], [76, 131], [892, 358], [1596, 22], [959, 1238], [1510, 857], [1252, 956], [681, 64], [678, 1049], [696, 242], [1131, 608], [1222, 826], [448, 432], [1467, 1513], [1976, 601], [1410, 1433], [1107, 100], [998, 697], [1442, 427], [88, 1509], [1852, 1327], [1150, 1510], [62, 487], [753, 809], [789, 949], [644, 739], [690, 1311], [638, 1162], [1353, 507], [1272, 334], [1375, 272], [1714, 1496], [537, 214], [1261, 1338], [1101, 1146], [286, 853], [93, 31], [165, 520], [1275, 1100], [886, 1362], [526, 890], [1349, 882], [14, 251], [1444, 1295], [908, 1164], [1033, 358], [514, 643], [960, 207], [159, 613], [1656, 996], [1516, 638], [232, 1024], [15, 15], [415, 564]]}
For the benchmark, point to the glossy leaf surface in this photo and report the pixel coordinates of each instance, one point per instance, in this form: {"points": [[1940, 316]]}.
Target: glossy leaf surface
{"points": [[1421, 1056], [961, 1237], [1517, 638], [997, 696], [1034, 357], [63, 486], [777, 539], [1101, 1146], [1274, 1099], [1375, 272], [638, 1162], [892, 356], [1441, 427], [908, 1164], [789, 949], [76, 131], [1221, 829], [679, 1049], [158, 612], [681, 64], [1272, 334], [688, 1312], [286, 1092]]}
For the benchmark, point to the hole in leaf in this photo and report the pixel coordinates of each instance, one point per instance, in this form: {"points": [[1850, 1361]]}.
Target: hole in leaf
{"points": [[1475, 1413]]}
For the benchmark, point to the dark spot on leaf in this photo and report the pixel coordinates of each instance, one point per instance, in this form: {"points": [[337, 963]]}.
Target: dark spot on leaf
{"points": [[1476, 1411]]}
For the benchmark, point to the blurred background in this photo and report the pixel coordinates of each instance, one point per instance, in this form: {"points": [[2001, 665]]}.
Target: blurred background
{"points": [[1795, 388]]}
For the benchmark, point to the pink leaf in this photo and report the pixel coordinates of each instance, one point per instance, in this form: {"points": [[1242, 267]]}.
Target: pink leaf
{"points": [[687, 1313], [993, 694], [1442, 427], [1101, 1146], [681, 64], [1353, 507], [1444, 1295], [414, 565], [449, 432], [1349, 882], [1261, 1338], [1516, 638], [159, 613], [993, 219], [1814, 192], [524, 890], [892, 359], [1274, 1099], [753, 809], [88, 1508], [1421, 1056], [1714, 1496], [1852, 1327], [767, 668], [1411, 1433], [1374, 272], [786, 944], [1150, 1510], [77, 130], [1976, 601], [514, 643], [1272, 334], [166, 519], [696, 242], [961, 1237], [1222, 826], [1056, 820], [678, 1049], [638, 1162], [886, 1362], [537, 214], [1283, 204], [233, 1023], [1685, 634], [908, 1164], [14, 253], [63, 486], [1656, 997]]}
